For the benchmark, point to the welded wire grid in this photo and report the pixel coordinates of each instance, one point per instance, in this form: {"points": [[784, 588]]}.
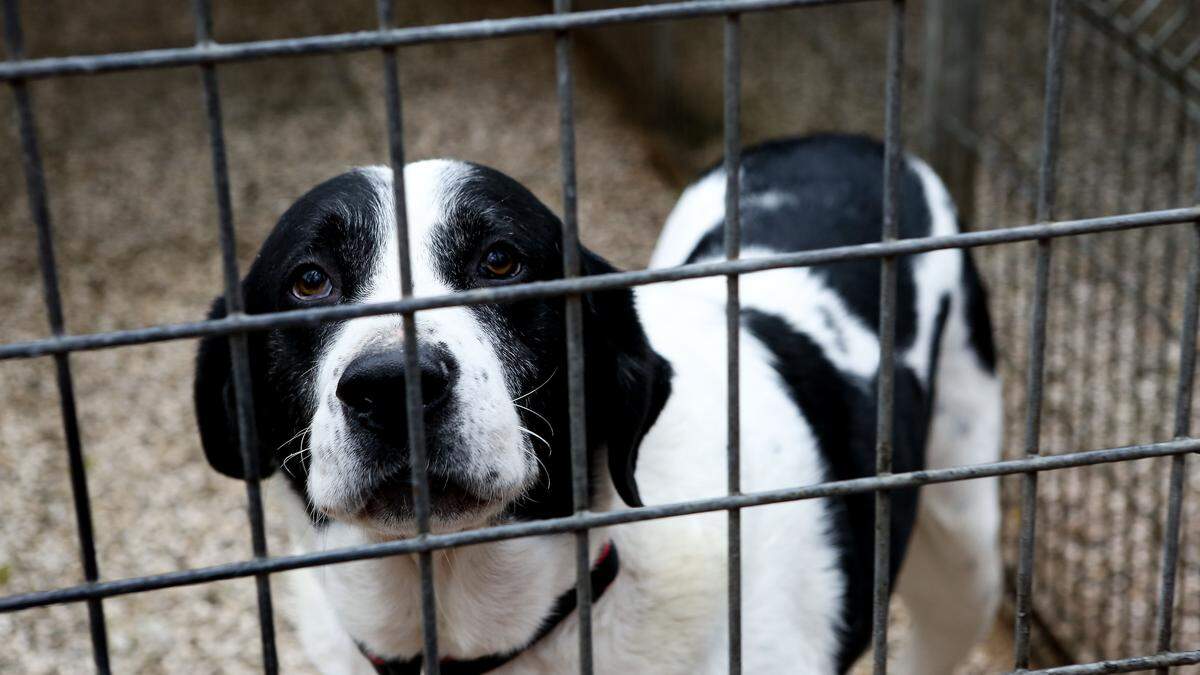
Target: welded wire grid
{"points": [[1115, 317], [1141, 348]]}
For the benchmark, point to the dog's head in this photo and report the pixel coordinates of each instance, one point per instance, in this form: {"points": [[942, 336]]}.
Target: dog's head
{"points": [[330, 399]]}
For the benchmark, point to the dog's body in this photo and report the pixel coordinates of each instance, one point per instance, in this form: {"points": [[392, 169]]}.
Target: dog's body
{"points": [[656, 415]]}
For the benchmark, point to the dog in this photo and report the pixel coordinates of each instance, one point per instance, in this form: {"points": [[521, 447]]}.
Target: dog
{"points": [[330, 409]]}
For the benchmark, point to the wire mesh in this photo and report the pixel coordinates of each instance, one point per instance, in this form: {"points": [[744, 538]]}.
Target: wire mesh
{"points": [[1111, 330], [1115, 317]]}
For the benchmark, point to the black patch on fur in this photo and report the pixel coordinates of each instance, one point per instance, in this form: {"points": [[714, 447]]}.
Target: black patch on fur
{"points": [[627, 383], [979, 321], [841, 413], [334, 226], [821, 192]]}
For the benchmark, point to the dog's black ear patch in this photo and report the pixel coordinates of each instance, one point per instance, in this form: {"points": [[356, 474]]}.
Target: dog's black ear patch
{"points": [[216, 410], [628, 382]]}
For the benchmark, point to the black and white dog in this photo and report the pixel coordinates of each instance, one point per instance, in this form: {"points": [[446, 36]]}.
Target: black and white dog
{"points": [[330, 410]]}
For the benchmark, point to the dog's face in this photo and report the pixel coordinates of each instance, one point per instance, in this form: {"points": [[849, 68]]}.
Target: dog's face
{"points": [[330, 399]]}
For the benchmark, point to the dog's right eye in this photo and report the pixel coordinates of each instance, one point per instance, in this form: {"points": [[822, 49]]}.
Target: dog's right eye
{"points": [[311, 283]]}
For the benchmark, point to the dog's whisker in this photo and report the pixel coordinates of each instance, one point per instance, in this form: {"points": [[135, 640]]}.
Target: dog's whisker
{"points": [[298, 435], [299, 453], [537, 414], [538, 460], [533, 391], [531, 433]]}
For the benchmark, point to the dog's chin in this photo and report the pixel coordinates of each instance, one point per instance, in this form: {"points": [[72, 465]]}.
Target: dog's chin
{"points": [[385, 509]]}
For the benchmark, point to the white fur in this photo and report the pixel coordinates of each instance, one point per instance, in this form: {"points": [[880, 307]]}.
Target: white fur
{"points": [[666, 611]]}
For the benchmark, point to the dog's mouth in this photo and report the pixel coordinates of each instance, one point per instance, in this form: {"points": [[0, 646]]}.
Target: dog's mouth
{"points": [[393, 496], [385, 504]]}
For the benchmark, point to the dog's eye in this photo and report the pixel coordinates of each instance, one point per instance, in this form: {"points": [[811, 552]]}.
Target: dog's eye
{"points": [[311, 283], [500, 262]]}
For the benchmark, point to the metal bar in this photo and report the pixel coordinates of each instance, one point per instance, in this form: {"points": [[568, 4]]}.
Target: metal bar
{"points": [[951, 63], [35, 188], [733, 242], [1129, 665], [588, 284], [576, 403], [1166, 303], [399, 37], [1174, 195], [1183, 415], [238, 348], [432, 542], [1142, 14], [1055, 53], [418, 462], [885, 401], [1130, 41], [1171, 26]]}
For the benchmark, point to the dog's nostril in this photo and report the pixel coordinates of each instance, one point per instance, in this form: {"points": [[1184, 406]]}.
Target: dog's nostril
{"points": [[373, 386], [438, 375]]}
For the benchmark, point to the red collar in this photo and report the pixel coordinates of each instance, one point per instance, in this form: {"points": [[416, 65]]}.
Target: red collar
{"points": [[603, 573]]}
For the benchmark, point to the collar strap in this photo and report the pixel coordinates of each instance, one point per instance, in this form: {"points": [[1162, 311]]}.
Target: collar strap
{"points": [[603, 573]]}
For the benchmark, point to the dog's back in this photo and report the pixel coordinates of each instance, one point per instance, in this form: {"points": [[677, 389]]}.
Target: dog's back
{"points": [[810, 356]]}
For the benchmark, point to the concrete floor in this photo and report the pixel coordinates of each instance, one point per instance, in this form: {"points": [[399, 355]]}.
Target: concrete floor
{"points": [[128, 174]]}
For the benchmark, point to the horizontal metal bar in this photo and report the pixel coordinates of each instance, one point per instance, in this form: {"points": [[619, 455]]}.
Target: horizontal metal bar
{"points": [[1173, 73], [541, 289], [431, 542], [1129, 665], [398, 37]]}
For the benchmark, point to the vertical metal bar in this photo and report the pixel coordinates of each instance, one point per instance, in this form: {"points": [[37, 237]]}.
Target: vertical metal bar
{"points": [[733, 244], [1174, 196], [887, 334], [1183, 411], [35, 187], [1037, 330], [412, 368], [238, 349], [953, 56], [574, 311]]}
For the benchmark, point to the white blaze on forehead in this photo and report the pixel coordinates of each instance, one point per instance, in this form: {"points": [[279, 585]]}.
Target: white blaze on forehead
{"points": [[428, 185], [491, 454]]}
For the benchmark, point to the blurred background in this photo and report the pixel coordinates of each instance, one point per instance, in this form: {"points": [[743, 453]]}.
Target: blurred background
{"points": [[128, 175]]}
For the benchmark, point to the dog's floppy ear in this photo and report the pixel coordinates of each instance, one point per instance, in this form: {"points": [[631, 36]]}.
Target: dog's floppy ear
{"points": [[628, 382], [216, 410]]}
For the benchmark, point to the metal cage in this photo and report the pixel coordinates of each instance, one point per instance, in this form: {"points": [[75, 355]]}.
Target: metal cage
{"points": [[1059, 274]]}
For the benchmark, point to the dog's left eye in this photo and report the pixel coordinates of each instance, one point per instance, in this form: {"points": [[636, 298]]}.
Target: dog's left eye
{"points": [[311, 283], [500, 262]]}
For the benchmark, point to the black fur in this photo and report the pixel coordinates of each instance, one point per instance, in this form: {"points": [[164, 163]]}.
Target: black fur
{"points": [[841, 412], [323, 226], [832, 185], [627, 382], [979, 322]]}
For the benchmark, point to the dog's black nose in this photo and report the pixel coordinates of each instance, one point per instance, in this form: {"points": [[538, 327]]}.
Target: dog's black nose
{"points": [[373, 389]]}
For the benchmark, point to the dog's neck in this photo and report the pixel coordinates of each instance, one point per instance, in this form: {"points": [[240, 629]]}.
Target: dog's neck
{"points": [[491, 598]]}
